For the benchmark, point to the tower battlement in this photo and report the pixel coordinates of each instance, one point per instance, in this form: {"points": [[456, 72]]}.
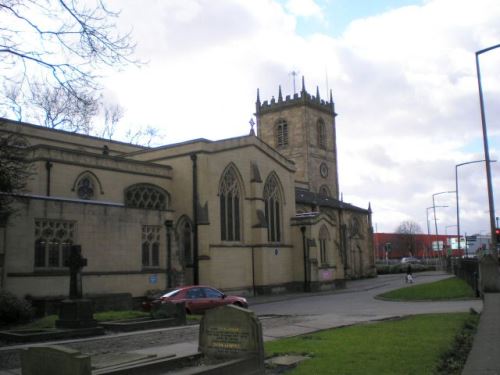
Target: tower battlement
{"points": [[301, 98]]}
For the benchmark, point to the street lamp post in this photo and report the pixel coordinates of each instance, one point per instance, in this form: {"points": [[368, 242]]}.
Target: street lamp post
{"points": [[456, 196], [486, 150], [434, 206], [427, 216]]}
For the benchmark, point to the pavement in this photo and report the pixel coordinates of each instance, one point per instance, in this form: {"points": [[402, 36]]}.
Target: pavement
{"points": [[352, 305], [484, 358]]}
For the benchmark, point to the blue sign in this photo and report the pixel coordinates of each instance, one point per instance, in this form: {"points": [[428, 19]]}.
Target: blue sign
{"points": [[153, 279]]}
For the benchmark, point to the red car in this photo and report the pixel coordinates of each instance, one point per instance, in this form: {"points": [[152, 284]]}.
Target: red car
{"points": [[199, 298]]}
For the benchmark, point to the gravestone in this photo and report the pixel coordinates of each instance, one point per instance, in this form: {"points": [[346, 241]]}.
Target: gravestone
{"points": [[54, 360], [169, 310], [231, 332], [76, 312]]}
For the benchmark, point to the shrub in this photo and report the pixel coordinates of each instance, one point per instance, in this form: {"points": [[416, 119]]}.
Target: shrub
{"points": [[14, 310], [383, 269]]}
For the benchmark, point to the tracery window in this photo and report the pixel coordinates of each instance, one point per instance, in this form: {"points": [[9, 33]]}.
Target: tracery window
{"points": [[53, 240], [321, 132], [272, 200], [85, 188], [324, 237], [281, 133], [146, 196], [151, 245], [229, 197]]}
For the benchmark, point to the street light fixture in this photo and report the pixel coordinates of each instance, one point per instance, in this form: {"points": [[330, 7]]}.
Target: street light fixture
{"points": [[456, 195], [486, 150], [427, 216], [434, 206]]}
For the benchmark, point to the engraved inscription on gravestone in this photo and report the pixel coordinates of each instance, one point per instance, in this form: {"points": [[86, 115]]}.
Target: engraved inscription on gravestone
{"points": [[231, 332]]}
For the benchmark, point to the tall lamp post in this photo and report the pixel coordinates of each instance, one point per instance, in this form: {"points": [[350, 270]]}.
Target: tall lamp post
{"points": [[486, 150], [456, 196], [434, 206], [427, 216]]}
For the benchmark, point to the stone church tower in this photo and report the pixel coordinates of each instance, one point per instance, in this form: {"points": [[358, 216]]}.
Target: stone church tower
{"points": [[302, 128]]}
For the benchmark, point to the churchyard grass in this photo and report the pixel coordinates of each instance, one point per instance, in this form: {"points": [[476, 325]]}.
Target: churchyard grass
{"points": [[49, 320], [452, 288], [412, 345]]}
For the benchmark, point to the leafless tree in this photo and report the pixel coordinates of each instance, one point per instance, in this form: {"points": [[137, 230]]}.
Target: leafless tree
{"points": [[142, 136], [54, 107], [61, 43], [408, 237], [14, 171], [112, 115]]}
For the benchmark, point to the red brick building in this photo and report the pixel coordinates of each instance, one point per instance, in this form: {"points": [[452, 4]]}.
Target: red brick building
{"points": [[417, 245]]}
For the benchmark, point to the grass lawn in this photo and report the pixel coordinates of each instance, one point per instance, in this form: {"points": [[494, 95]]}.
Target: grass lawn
{"points": [[447, 289], [413, 345], [49, 321]]}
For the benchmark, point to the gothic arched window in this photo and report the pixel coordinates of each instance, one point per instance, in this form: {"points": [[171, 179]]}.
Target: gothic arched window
{"points": [[53, 240], [324, 237], [281, 133], [324, 191], [321, 132], [87, 185], [185, 236], [146, 196], [229, 196], [272, 200], [85, 188], [150, 248]]}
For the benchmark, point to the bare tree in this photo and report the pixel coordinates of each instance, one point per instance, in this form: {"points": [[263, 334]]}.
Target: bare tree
{"points": [[61, 43], [14, 171], [112, 115], [54, 107], [142, 136], [408, 239]]}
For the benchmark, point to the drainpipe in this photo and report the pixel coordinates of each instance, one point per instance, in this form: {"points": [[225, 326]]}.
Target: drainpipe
{"points": [[195, 221], [304, 250], [168, 226], [48, 167], [253, 272]]}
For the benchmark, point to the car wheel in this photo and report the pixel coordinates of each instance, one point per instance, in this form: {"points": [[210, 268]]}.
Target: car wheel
{"points": [[238, 304]]}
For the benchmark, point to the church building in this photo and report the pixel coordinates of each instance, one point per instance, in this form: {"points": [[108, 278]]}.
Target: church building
{"points": [[250, 215]]}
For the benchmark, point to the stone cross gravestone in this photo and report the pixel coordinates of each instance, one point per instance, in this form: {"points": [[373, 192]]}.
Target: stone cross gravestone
{"points": [[76, 312], [75, 263], [54, 360], [231, 332]]}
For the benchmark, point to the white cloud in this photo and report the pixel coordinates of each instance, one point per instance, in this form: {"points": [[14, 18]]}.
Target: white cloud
{"points": [[404, 83], [304, 8]]}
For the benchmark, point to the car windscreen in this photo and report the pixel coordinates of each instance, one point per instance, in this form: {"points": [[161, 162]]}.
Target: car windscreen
{"points": [[171, 293]]}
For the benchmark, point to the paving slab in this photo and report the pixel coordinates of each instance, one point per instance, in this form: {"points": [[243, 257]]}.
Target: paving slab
{"points": [[180, 349], [287, 360], [484, 358]]}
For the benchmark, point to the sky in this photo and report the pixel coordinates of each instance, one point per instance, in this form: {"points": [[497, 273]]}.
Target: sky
{"points": [[402, 73]]}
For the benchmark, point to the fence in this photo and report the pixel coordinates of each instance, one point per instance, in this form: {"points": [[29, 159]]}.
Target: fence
{"points": [[467, 270]]}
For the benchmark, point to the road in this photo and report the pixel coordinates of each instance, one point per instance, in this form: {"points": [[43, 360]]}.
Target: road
{"points": [[355, 304], [281, 316]]}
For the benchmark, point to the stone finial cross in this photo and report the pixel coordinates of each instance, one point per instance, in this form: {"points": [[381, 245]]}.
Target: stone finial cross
{"points": [[75, 263]]}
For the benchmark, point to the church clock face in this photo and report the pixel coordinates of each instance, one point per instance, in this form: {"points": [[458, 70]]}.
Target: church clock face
{"points": [[323, 170]]}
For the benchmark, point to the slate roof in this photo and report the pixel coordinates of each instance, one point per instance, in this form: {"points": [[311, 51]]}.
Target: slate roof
{"points": [[309, 197]]}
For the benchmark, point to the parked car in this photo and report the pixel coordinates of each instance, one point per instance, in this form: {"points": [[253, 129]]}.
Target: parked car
{"points": [[198, 298], [411, 260]]}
